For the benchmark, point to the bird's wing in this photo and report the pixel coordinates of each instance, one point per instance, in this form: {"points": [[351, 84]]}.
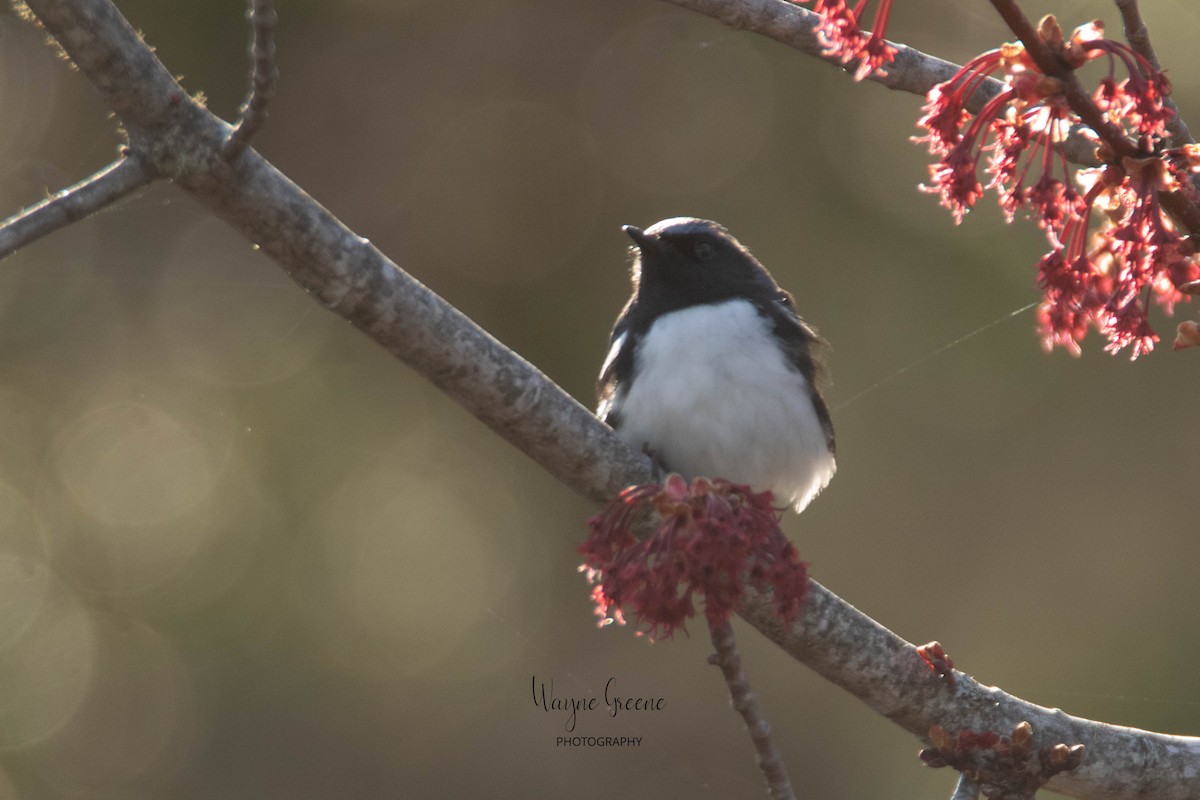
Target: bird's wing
{"points": [[804, 349], [618, 363]]}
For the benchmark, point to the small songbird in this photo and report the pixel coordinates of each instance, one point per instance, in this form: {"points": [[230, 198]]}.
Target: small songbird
{"points": [[710, 369]]}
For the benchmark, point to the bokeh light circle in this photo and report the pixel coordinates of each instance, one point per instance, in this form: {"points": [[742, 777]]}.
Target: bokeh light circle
{"points": [[135, 720], [46, 672], [409, 562], [230, 316], [131, 464], [24, 575]]}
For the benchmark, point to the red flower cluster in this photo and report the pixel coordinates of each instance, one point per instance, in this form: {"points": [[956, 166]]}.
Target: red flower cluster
{"points": [[710, 537], [843, 38], [1104, 279]]}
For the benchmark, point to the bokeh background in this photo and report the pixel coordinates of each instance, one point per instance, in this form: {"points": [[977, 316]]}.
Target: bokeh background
{"points": [[246, 554]]}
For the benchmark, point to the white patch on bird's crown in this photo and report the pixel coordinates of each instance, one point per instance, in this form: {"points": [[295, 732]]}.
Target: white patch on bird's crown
{"points": [[682, 225]]}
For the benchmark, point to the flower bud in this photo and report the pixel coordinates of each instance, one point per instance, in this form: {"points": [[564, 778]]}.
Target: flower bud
{"points": [[1050, 32]]}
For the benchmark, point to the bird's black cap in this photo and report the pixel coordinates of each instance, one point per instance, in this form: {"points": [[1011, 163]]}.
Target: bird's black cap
{"points": [[685, 260]]}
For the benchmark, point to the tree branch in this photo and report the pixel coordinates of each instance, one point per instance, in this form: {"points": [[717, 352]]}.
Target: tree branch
{"points": [[346, 274], [855, 652], [343, 271], [120, 178], [913, 71], [917, 72]]}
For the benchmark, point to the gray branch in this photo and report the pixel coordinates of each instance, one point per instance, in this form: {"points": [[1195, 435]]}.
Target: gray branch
{"points": [[913, 71], [348, 275], [117, 180]]}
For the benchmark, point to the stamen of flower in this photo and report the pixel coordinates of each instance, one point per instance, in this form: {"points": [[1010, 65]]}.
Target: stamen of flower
{"points": [[842, 37]]}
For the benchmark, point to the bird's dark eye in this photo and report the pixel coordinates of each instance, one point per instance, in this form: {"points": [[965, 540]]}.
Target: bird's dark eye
{"points": [[704, 250]]}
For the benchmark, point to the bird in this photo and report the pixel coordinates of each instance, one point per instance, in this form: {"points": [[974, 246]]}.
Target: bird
{"points": [[710, 369]]}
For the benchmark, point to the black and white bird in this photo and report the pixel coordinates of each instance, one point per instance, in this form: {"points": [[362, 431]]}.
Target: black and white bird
{"points": [[710, 369]]}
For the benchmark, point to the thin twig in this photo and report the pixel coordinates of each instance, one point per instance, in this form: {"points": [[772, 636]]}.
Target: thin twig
{"points": [[1138, 36], [965, 789], [263, 75], [745, 702], [72, 204]]}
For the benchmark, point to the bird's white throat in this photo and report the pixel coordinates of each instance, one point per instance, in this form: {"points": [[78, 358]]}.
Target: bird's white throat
{"points": [[714, 395]]}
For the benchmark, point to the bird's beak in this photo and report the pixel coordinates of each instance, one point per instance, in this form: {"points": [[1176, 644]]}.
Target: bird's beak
{"points": [[637, 234], [649, 245]]}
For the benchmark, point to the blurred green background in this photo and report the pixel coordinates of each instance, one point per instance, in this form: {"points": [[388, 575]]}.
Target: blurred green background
{"points": [[246, 554]]}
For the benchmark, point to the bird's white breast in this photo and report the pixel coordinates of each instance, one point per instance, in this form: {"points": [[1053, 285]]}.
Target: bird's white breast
{"points": [[714, 395]]}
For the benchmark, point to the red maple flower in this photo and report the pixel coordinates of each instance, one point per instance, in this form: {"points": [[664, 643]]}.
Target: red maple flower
{"points": [[1137, 103], [843, 38], [1023, 123], [709, 538], [1138, 250]]}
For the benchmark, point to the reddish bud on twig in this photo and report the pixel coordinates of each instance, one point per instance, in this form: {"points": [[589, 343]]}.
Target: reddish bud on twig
{"points": [[1187, 335], [1001, 766], [936, 658]]}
